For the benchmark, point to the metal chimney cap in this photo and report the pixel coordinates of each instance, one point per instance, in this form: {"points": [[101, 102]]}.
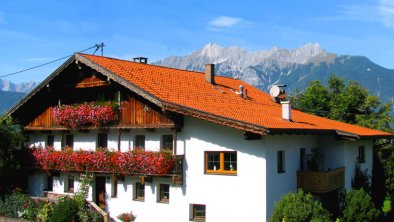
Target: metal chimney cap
{"points": [[140, 60]]}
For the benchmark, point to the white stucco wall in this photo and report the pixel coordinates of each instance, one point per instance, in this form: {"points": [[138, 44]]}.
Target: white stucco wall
{"points": [[282, 183], [243, 194], [248, 196], [88, 140], [351, 159]]}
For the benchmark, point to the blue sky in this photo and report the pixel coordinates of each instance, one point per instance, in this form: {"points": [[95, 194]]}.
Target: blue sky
{"points": [[35, 32]]}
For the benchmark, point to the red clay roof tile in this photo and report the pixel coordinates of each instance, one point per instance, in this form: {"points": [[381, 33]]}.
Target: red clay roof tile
{"points": [[190, 89]]}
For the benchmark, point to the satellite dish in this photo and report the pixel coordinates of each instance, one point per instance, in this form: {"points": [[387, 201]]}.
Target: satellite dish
{"points": [[275, 91]]}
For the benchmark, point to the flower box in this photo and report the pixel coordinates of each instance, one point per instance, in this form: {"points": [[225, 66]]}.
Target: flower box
{"points": [[84, 115], [126, 163]]}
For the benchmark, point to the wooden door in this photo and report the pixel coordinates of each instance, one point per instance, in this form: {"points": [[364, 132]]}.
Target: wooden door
{"points": [[100, 191]]}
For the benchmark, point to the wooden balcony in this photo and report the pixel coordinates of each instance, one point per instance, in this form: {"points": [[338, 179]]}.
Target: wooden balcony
{"points": [[131, 114], [321, 181]]}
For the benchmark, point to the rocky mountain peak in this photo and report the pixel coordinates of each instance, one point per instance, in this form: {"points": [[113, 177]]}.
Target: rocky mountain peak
{"points": [[211, 50], [25, 87]]}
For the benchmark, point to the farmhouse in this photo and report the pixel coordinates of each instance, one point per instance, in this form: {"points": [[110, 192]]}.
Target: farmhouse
{"points": [[177, 145]]}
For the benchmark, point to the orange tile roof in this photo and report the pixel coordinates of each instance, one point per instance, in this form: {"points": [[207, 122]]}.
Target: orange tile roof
{"points": [[190, 90]]}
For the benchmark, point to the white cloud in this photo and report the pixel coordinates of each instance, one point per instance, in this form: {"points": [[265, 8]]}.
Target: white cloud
{"points": [[224, 22], [386, 9], [381, 11]]}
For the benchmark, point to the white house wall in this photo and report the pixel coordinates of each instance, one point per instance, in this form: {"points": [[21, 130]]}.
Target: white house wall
{"points": [[333, 151], [248, 196], [279, 184], [222, 194], [227, 198], [351, 159], [88, 140]]}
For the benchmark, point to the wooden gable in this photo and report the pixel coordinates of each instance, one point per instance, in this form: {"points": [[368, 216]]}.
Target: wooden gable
{"points": [[137, 113], [78, 86], [92, 81], [133, 113]]}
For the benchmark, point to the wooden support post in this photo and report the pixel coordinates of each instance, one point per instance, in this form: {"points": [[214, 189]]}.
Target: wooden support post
{"points": [[62, 141], [119, 138], [114, 185], [174, 138]]}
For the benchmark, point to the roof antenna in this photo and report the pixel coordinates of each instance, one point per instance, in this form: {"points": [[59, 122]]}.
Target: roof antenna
{"points": [[99, 46]]}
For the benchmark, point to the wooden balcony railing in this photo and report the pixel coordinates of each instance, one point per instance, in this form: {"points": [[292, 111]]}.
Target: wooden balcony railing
{"points": [[177, 170], [321, 181], [178, 165], [131, 114]]}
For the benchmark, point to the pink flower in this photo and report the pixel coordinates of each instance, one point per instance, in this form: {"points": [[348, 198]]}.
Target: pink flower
{"points": [[85, 114]]}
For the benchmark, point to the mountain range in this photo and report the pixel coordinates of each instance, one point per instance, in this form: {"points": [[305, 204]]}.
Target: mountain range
{"points": [[265, 68], [24, 87]]}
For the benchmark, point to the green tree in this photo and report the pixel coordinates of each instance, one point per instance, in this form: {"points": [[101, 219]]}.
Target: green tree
{"points": [[358, 206], [314, 100], [11, 152], [299, 207], [348, 103]]}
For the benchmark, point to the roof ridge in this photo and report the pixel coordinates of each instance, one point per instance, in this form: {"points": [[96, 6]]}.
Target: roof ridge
{"points": [[159, 66]]}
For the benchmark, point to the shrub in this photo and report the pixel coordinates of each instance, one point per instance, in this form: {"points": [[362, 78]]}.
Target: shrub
{"points": [[65, 211], [17, 205], [88, 215], [358, 206], [361, 179], [44, 212], [386, 208], [299, 207]]}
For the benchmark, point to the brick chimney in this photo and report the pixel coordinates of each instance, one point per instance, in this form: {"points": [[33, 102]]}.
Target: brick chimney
{"points": [[286, 110], [210, 73]]}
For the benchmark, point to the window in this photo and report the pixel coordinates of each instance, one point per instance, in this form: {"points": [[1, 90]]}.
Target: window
{"points": [[198, 212], [70, 140], [221, 162], [361, 154], [302, 159], [168, 143], [281, 161], [50, 140], [102, 140], [164, 194], [139, 191], [49, 183], [140, 142], [70, 184]]}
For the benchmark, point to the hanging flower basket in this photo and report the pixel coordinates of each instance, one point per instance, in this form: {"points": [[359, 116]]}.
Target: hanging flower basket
{"points": [[84, 115], [126, 163]]}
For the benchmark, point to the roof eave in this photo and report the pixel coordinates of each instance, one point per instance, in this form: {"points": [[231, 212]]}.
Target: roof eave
{"points": [[280, 131]]}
